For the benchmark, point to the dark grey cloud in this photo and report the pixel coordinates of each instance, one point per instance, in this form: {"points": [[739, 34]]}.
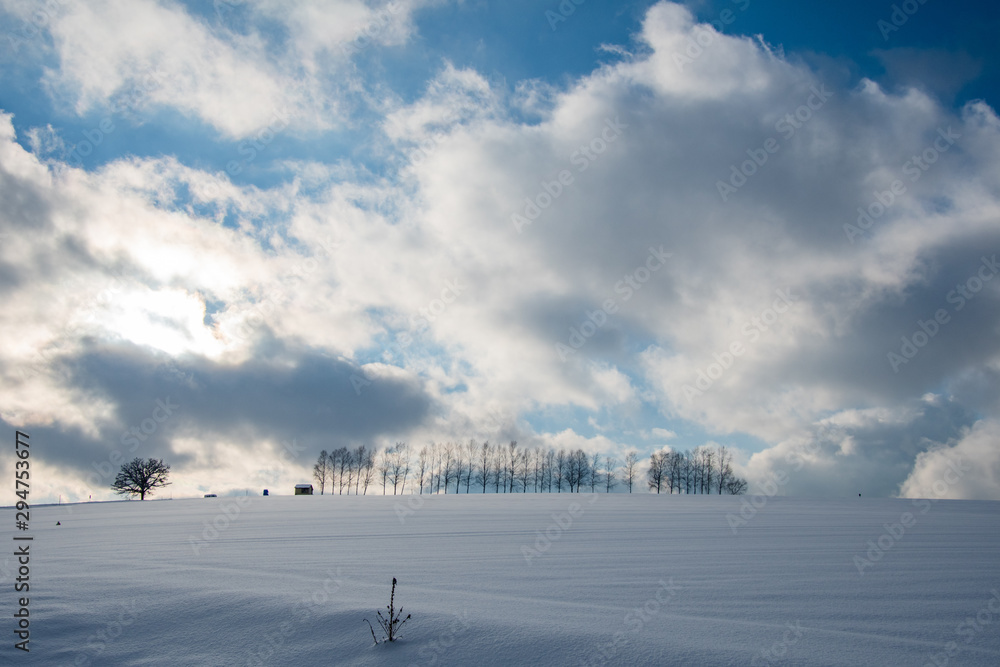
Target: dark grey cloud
{"points": [[291, 393]]}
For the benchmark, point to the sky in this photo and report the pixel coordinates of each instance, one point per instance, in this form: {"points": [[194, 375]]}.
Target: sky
{"points": [[235, 234]]}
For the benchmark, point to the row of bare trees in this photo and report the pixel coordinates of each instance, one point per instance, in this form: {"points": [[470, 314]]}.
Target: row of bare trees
{"points": [[703, 470], [345, 468], [475, 467], [484, 467]]}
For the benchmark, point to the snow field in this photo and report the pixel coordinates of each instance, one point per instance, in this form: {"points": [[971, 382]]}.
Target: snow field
{"points": [[554, 579]]}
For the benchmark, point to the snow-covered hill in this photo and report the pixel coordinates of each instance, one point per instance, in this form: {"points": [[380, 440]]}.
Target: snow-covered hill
{"points": [[512, 580]]}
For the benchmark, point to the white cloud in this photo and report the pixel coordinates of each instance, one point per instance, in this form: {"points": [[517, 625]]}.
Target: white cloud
{"points": [[226, 80], [228, 68], [968, 468]]}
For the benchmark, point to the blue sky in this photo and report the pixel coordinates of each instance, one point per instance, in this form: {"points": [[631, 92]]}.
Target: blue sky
{"points": [[252, 206]]}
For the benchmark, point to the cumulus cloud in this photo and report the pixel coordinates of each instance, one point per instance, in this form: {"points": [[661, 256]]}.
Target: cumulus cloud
{"points": [[227, 68], [967, 467]]}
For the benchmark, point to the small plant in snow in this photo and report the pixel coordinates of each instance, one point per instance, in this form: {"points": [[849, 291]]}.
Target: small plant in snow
{"points": [[390, 626]]}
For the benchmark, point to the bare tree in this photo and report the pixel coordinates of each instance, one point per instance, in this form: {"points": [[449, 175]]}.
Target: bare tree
{"points": [[499, 468], [459, 465], [448, 461], [485, 459], [631, 462], [585, 470], [344, 464], [736, 486], [321, 471], [351, 467], [610, 478], [538, 462], [657, 462], [385, 465], [725, 472], [550, 463], [560, 470], [433, 473], [470, 452], [524, 468], [690, 471], [139, 478], [399, 466], [675, 471], [422, 462], [369, 470], [594, 470], [512, 463], [360, 457], [708, 469], [574, 474], [332, 461]]}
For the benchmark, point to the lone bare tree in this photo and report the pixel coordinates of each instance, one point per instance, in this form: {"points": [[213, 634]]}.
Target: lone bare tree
{"points": [[138, 477], [736, 486]]}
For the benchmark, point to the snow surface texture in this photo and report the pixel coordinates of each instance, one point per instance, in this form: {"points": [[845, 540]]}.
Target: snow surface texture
{"points": [[620, 580]]}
